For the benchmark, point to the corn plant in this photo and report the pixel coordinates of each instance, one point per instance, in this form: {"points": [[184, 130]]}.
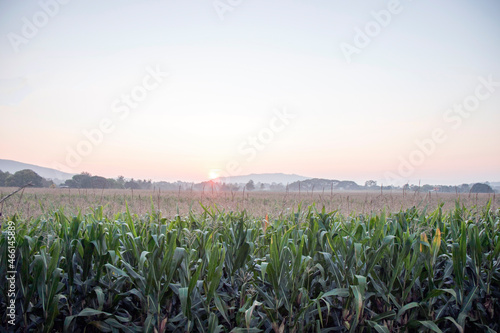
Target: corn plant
{"points": [[305, 271]]}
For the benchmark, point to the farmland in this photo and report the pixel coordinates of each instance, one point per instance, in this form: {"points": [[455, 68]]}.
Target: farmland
{"points": [[35, 201], [117, 260]]}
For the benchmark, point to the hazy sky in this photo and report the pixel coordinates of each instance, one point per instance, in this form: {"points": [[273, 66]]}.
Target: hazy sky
{"points": [[394, 91]]}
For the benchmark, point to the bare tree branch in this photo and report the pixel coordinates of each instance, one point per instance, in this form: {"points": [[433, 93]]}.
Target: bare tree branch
{"points": [[19, 189]]}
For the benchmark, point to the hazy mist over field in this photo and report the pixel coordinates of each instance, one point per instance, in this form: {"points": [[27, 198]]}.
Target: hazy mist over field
{"points": [[394, 91]]}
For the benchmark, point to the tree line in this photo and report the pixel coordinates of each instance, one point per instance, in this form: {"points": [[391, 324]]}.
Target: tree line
{"points": [[23, 177], [86, 180], [83, 180]]}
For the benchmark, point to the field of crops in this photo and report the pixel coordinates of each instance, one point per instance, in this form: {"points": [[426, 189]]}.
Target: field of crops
{"points": [[305, 270], [36, 201]]}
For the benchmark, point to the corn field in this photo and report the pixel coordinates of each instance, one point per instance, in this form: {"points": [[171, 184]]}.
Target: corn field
{"points": [[35, 201], [308, 270]]}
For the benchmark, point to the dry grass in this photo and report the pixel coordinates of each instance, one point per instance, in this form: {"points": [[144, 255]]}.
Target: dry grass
{"points": [[35, 201]]}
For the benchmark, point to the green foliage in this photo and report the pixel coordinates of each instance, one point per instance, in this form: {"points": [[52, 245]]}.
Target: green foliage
{"points": [[3, 177], [309, 271], [21, 178], [86, 180], [250, 186], [481, 188]]}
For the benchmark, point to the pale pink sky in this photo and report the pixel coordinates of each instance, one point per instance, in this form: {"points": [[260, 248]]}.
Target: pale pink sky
{"points": [[221, 108]]}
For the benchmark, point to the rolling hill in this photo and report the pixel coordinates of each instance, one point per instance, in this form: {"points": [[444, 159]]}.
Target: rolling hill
{"points": [[48, 173]]}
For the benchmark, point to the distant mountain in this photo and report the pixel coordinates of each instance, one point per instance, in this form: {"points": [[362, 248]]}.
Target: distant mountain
{"points": [[267, 178], [48, 173], [320, 184]]}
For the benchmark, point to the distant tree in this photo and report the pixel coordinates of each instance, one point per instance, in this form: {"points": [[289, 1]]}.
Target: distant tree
{"points": [[82, 180], [70, 183], [447, 189], [3, 177], [121, 181], [481, 188], [86, 180], [464, 188], [24, 177], [224, 187], [427, 188], [277, 187], [262, 186], [250, 186], [47, 183], [148, 184], [112, 183], [370, 183], [406, 187], [98, 182], [132, 184], [164, 185]]}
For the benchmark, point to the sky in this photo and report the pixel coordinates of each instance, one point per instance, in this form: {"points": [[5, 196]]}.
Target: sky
{"points": [[394, 91]]}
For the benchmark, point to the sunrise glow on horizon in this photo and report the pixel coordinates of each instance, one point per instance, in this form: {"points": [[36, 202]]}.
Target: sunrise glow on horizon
{"points": [[395, 91]]}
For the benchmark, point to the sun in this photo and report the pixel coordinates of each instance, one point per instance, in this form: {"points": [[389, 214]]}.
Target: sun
{"points": [[213, 174]]}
